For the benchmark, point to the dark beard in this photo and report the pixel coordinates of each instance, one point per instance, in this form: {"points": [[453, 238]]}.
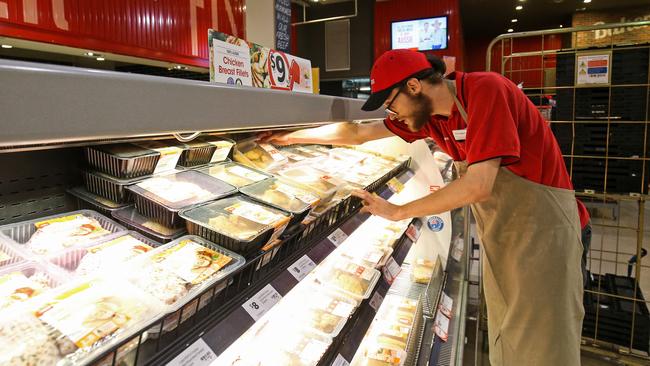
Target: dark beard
{"points": [[423, 110]]}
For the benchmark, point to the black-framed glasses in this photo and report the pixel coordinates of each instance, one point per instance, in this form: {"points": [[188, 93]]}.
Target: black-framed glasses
{"points": [[392, 114]]}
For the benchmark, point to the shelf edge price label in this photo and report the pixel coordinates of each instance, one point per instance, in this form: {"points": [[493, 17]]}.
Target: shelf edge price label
{"points": [[395, 185], [262, 302], [337, 237], [446, 305], [340, 361], [375, 301], [301, 268], [279, 70], [198, 354], [391, 270], [441, 326]]}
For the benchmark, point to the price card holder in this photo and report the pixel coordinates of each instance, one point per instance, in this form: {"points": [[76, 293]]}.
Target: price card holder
{"points": [[391, 270], [376, 300], [262, 302], [337, 237], [301, 268], [395, 185], [198, 354], [441, 326], [446, 305], [413, 231], [340, 361]]}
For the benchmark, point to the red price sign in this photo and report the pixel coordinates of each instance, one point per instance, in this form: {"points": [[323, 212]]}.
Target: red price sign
{"points": [[279, 70]]}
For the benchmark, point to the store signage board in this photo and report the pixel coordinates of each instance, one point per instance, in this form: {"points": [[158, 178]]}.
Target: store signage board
{"points": [[283, 25], [301, 268], [593, 68], [337, 237], [262, 302], [266, 68], [340, 361], [197, 354]]}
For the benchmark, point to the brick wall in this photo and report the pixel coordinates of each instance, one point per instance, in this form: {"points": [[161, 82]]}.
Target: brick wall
{"points": [[605, 37]]}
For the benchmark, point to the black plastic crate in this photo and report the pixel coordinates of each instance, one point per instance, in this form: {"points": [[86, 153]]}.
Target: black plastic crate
{"points": [[107, 187], [565, 69], [630, 66], [624, 176], [564, 105], [629, 103], [563, 133], [623, 139]]}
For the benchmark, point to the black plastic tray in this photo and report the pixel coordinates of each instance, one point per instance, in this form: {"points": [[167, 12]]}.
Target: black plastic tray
{"points": [[122, 167], [245, 248], [107, 187]]}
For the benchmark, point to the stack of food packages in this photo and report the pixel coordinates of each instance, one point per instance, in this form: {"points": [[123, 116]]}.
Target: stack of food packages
{"points": [[386, 341], [74, 284], [300, 328]]}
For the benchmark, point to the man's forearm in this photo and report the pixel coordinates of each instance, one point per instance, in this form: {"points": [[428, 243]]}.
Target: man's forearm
{"points": [[343, 133], [456, 194]]}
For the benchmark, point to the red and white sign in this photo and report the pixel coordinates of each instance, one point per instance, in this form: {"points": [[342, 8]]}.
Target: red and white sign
{"points": [[173, 31]]}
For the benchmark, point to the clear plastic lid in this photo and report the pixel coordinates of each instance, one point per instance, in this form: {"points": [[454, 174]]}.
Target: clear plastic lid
{"points": [[131, 216], [398, 310], [107, 255], [348, 277], [83, 194], [184, 189], [237, 217], [318, 150], [9, 255], [177, 272], [90, 316], [235, 174], [117, 181], [324, 185], [261, 156], [56, 233], [348, 155], [368, 255], [281, 345], [25, 281], [372, 353], [283, 195], [299, 153], [125, 150]]}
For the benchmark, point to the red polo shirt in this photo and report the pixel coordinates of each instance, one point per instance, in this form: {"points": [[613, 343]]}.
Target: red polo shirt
{"points": [[502, 121]]}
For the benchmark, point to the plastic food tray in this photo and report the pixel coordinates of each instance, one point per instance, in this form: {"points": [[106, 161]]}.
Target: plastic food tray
{"points": [[235, 174], [140, 266], [368, 255], [314, 180], [88, 297], [303, 305], [300, 210], [9, 255], [132, 219], [164, 211], [122, 161], [202, 151], [326, 275], [70, 260], [269, 158], [108, 187], [21, 232], [91, 201], [29, 269], [198, 224]]}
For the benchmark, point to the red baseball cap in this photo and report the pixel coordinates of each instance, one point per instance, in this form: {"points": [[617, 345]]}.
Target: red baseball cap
{"points": [[390, 69]]}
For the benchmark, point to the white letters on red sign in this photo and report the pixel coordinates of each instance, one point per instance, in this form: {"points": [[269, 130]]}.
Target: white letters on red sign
{"points": [[30, 12], [4, 10], [58, 12], [194, 25]]}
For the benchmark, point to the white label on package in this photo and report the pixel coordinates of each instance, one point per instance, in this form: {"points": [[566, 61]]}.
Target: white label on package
{"points": [[254, 213], [340, 361], [246, 173], [222, 151], [169, 155], [300, 268], [275, 154], [391, 270], [198, 354], [376, 301], [337, 237], [300, 194], [262, 302], [232, 63], [446, 304]]}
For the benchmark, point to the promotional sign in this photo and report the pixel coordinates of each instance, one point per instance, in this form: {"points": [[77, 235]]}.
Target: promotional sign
{"points": [[420, 34], [593, 69], [269, 68], [283, 25], [232, 62]]}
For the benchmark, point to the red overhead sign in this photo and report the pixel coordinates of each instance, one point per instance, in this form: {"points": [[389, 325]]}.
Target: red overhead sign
{"points": [[167, 30]]}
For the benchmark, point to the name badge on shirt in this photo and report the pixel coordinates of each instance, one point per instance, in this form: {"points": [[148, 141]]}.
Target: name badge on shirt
{"points": [[460, 135]]}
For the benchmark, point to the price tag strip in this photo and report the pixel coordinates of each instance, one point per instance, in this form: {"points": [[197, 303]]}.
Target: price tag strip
{"points": [[262, 302], [446, 305], [337, 237], [376, 301], [198, 354], [301, 268], [441, 326], [413, 233], [391, 270], [340, 361]]}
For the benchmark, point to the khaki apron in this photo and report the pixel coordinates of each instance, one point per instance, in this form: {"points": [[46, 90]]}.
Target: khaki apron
{"points": [[531, 270]]}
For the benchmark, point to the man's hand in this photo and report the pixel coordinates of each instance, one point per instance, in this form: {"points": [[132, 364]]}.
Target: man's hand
{"points": [[378, 206], [275, 138]]}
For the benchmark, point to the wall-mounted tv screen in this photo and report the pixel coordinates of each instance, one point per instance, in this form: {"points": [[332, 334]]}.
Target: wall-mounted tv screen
{"points": [[420, 34]]}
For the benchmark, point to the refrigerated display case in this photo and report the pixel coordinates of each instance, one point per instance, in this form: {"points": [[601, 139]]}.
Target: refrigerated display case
{"points": [[52, 115]]}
